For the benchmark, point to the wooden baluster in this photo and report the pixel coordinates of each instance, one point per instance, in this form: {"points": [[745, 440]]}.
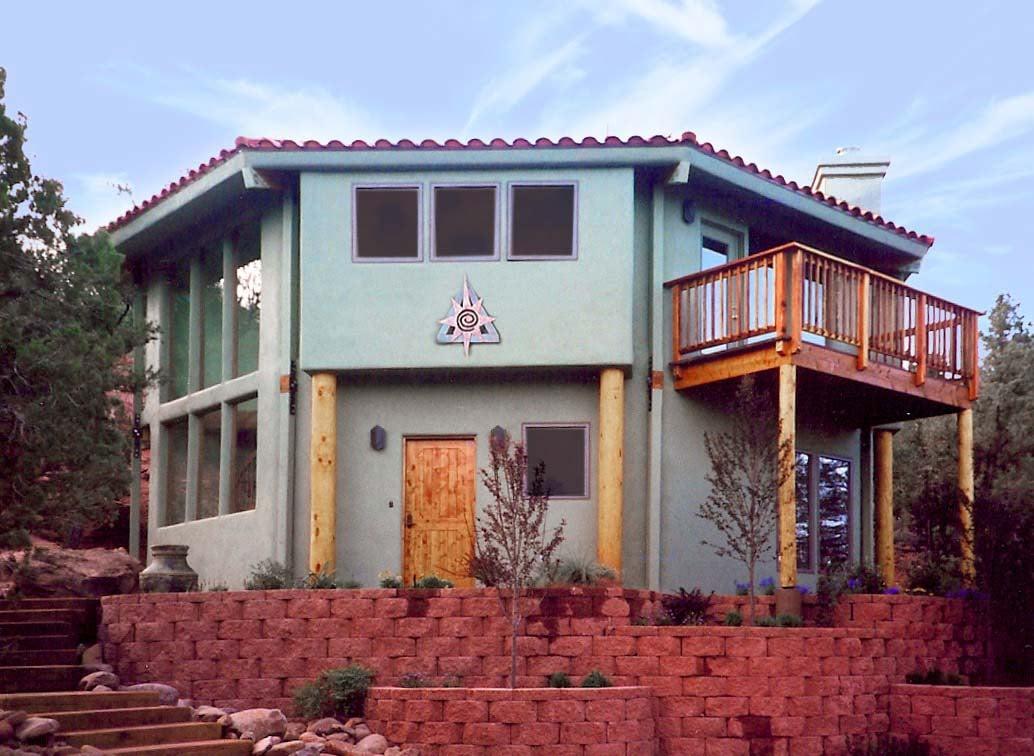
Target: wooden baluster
{"points": [[796, 291], [676, 321], [863, 321], [972, 369], [780, 301], [920, 340]]}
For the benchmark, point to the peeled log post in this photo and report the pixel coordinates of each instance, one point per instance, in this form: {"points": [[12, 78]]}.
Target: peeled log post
{"points": [[610, 472], [323, 473]]}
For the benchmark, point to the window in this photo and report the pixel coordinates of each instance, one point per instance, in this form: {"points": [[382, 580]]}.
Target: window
{"points": [[563, 451], [718, 245], [208, 469], [242, 495], [248, 302], [175, 509], [211, 317], [387, 223], [178, 330], [823, 507], [464, 222], [542, 221]]}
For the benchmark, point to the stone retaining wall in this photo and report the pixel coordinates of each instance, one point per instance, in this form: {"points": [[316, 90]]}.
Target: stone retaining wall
{"points": [[482, 721], [965, 721]]}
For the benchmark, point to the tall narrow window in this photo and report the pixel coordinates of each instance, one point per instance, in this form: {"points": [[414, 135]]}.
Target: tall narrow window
{"points": [[542, 221], [834, 504], [208, 467], [211, 317], [175, 473], [562, 451], [387, 223], [179, 329], [464, 222], [249, 301], [803, 511], [245, 452]]}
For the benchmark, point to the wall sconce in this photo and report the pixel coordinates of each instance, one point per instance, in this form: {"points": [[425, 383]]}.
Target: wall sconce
{"points": [[378, 438], [498, 435], [689, 211]]}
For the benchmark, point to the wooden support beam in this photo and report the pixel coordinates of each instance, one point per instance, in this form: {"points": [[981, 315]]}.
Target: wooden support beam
{"points": [[966, 493], [610, 468], [796, 312], [787, 483], [921, 345], [323, 473], [883, 448], [863, 321]]}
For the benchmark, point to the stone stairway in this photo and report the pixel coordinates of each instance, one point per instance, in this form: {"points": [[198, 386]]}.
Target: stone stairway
{"points": [[40, 670]]}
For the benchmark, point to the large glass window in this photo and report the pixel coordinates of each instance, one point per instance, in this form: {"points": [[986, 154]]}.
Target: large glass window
{"points": [[563, 452], [178, 330], [823, 507], [542, 221], [249, 302], [464, 222], [245, 451], [803, 511], [211, 317], [387, 223], [208, 467], [175, 510]]}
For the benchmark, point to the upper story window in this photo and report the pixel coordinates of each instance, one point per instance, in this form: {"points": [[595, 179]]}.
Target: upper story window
{"points": [[465, 223], [563, 453], [542, 221], [386, 220]]}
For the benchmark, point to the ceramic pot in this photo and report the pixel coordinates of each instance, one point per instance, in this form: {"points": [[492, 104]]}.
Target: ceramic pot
{"points": [[168, 571]]}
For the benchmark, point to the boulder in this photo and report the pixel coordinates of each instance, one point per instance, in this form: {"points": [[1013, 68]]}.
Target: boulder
{"points": [[361, 730], [101, 689], [261, 748], [372, 744], [208, 714], [325, 726], [340, 748], [14, 718], [288, 747], [256, 724], [311, 737], [167, 695], [294, 730], [34, 728], [92, 655], [6, 730], [91, 573], [92, 680]]}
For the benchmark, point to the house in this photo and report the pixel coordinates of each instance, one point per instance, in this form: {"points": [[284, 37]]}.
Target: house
{"points": [[344, 326]]}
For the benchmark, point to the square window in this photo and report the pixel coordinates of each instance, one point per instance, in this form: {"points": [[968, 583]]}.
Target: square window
{"points": [[208, 463], [563, 452], [175, 472], [542, 221], [211, 317], [244, 455], [464, 222], [387, 223], [249, 300], [177, 333]]}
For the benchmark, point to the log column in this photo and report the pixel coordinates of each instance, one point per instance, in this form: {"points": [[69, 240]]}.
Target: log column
{"points": [[966, 491], [610, 468], [323, 473], [787, 476], [883, 451]]}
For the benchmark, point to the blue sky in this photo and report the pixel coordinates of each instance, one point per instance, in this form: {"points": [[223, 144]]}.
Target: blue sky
{"points": [[132, 93]]}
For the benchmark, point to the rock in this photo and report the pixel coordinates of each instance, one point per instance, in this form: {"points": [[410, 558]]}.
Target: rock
{"points": [[91, 573], [288, 747], [102, 689], [340, 748], [92, 680], [262, 747], [14, 718], [89, 749], [93, 655], [361, 731], [98, 667], [294, 730], [351, 723], [311, 737], [208, 714], [325, 726], [258, 723], [345, 737], [372, 744], [185, 703], [167, 695], [36, 727], [6, 730]]}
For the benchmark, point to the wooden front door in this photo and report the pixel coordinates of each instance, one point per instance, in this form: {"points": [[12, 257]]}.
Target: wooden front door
{"points": [[438, 532]]}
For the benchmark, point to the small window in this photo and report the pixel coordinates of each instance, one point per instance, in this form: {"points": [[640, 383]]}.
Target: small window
{"points": [[563, 452], [542, 221], [387, 223], [464, 222]]}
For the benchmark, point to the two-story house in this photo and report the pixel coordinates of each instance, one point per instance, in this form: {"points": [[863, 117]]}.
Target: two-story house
{"points": [[344, 327]]}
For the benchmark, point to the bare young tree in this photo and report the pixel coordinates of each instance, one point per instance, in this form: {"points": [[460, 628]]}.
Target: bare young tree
{"points": [[511, 537], [745, 478]]}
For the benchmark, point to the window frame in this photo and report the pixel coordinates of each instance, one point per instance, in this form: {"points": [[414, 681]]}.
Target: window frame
{"points": [[497, 217], [586, 427], [510, 186], [814, 524], [420, 220]]}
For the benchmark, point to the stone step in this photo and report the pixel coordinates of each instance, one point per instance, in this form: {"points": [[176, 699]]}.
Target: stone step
{"points": [[36, 642], [70, 602], [144, 735], [37, 657], [101, 719], [71, 616], [197, 748], [37, 627], [75, 701], [51, 677]]}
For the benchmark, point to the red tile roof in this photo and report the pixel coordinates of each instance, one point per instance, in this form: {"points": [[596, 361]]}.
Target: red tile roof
{"points": [[687, 139]]}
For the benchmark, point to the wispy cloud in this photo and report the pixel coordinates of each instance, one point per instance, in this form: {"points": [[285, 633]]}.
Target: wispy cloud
{"points": [[696, 21], [100, 197]]}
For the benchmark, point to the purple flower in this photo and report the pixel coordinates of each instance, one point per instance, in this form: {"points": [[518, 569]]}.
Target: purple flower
{"points": [[853, 583], [803, 590], [767, 582], [892, 590]]}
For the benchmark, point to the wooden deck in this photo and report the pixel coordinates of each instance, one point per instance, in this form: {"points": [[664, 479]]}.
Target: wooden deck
{"points": [[794, 305]]}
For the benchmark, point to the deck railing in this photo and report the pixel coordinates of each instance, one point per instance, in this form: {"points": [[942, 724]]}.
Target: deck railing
{"points": [[793, 290]]}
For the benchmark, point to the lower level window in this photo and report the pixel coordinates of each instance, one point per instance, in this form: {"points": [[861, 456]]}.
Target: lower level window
{"points": [[563, 453], [823, 508]]}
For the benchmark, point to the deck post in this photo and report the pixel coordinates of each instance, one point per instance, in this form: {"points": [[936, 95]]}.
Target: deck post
{"points": [[787, 458], [323, 473], [883, 446], [610, 468], [966, 493]]}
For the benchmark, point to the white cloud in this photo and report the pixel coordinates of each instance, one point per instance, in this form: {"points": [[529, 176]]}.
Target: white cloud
{"points": [[696, 21], [99, 198]]}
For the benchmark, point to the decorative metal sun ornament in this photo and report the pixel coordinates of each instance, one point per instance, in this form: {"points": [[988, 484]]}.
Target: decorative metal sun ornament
{"points": [[467, 322]]}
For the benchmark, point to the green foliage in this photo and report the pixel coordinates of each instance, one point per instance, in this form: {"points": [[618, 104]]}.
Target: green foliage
{"points": [[838, 580], [935, 574], [350, 584], [933, 677], [339, 692], [596, 679], [452, 681], [686, 607], [66, 328], [575, 570], [388, 579], [887, 745], [413, 680], [781, 620], [733, 619], [268, 575], [216, 588], [318, 581], [559, 680], [431, 582]]}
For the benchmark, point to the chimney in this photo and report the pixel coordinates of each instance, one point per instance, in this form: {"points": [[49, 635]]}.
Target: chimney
{"points": [[852, 177]]}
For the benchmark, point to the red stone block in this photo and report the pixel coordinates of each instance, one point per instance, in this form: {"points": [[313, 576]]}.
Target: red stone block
{"points": [[787, 727], [443, 607], [483, 645], [392, 647], [870, 614], [457, 750], [853, 724], [614, 607], [175, 611], [738, 646], [486, 733], [607, 710], [175, 651], [727, 747], [500, 665], [703, 646], [933, 705], [398, 731], [326, 627], [301, 648], [460, 666], [562, 710], [480, 607], [824, 725], [810, 746], [768, 706], [259, 689], [527, 646], [683, 706], [198, 669], [416, 627], [391, 608], [590, 625], [584, 733], [722, 666], [663, 685], [976, 706], [263, 609], [613, 645], [535, 734], [833, 666], [217, 649], [913, 724], [512, 712], [583, 665], [349, 647], [605, 749], [154, 631], [239, 629], [848, 647], [284, 628], [791, 647], [953, 725], [684, 666], [411, 665], [820, 647], [221, 610], [804, 706], [726, 706], [704, 727], [460, 626], [637, 665], [207, 690], [512, 750], [705, 686], [803, 666], [351, 607], [837, 705], [769, 666], [308, 608], [659, 645], [571, 646], [639, 708], [547, 665], [466, 711], [423, 711]]}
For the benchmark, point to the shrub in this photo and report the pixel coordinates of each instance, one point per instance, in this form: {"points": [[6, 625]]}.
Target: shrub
{"points": [[452, 681], [838, 580], [742, 589], [267, 575], [789, 620], [339, 692], [932, 677], [687, 608], [935, 575], [432, 581], [733, 619], [596, 679], [578, 571], [559, 680], [886, 745], [387, 579], [767, 586], [216, 588], [319, 581], [413, 680]]}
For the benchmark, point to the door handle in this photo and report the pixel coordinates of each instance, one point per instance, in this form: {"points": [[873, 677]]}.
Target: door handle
{"points": [[409, 520]]}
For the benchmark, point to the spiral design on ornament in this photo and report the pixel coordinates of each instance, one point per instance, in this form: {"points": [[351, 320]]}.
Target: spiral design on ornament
{"points": [[467, 320]]}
